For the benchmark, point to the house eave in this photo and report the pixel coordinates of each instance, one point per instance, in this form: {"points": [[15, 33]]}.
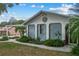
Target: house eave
{"points": [[44, 12]]}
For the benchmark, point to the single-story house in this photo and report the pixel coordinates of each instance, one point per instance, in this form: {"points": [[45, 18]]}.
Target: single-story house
{"points": [[9, 30], [45, 25], [2, 31]]}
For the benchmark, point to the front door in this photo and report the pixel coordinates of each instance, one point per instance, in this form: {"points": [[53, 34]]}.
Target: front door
{"points": [[41, 31]]}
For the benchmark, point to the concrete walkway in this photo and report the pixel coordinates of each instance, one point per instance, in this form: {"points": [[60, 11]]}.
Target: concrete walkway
{"points": [[66, 48]]}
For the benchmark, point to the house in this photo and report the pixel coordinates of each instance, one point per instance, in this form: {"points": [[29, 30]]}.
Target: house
{"points": [[9, 30], [2, 31], [45, 25]]}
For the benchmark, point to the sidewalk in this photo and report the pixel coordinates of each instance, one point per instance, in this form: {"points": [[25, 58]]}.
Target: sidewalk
{"points": [[63, 49]]}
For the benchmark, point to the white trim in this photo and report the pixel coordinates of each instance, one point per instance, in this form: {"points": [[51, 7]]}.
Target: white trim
{"points": [[47, 32], [63, 32], [27, 30], [35, 30]]}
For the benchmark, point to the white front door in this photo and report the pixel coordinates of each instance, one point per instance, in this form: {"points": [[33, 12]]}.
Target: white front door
{"points": [[41, 31]]}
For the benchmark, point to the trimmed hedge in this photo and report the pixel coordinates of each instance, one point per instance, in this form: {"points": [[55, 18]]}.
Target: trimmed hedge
{"points": [[37, 41], [75, 51], [4, 38], [54, 42]]}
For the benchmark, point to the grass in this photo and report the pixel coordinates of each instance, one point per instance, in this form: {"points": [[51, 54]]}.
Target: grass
{"points": [[13, 49]]}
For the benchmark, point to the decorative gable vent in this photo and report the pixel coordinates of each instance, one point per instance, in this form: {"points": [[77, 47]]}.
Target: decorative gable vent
{"points": [[44, 19]]}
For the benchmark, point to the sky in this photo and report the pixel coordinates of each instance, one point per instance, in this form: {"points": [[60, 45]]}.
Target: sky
{"points": [[26, 10]]}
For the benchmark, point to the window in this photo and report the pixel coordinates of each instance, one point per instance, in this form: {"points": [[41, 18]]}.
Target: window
{"points": [[55, 30], [41, 29]]}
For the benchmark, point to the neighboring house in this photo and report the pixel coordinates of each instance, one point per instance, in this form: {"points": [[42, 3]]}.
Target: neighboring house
{"points": [[9, 30], [45, 25], [2, 31]]}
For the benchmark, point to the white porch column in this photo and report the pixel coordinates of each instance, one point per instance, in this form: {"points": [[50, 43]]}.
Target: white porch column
{"points": [[27, 30], [63, 31], [35, 30], [47, 31]]}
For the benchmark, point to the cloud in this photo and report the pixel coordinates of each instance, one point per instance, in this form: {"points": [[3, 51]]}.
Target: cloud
{"points": [[53, 8], [22, 4], [37, 6], [33, 6], [64, 9], [42, 6]]}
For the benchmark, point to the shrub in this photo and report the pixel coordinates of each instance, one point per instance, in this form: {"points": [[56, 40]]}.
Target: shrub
{"points": [[37, 41], [48, 42], [23, 39], [54, 42], [75, 51], [4, 38]]}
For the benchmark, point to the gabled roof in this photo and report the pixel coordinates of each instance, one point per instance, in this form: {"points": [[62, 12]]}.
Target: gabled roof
{"points": [[44, 12]]}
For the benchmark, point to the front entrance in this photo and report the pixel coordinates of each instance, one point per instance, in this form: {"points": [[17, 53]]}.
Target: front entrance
{"points": [[41, 31]]}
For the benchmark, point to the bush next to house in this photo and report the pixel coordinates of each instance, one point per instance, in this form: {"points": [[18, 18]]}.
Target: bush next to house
{"points": [[4, 38], [37, 41], [54, 42], [23, 39], [75, 51]]}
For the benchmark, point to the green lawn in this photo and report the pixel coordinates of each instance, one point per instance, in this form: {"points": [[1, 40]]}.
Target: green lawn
{"points": [[13, 49]]}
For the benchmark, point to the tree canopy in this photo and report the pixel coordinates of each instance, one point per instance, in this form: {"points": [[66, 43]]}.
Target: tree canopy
{"points": [[12, 22], [74, 29], [4, 7]]}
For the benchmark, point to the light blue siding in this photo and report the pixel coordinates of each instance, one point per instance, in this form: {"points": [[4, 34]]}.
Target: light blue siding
{"points": [[41, 31], [31, 31], [55, 31]]}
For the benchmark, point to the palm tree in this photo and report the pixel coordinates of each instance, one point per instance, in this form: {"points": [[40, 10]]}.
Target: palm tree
{"points": [[21, 30], [74, 29], [5, 6]]}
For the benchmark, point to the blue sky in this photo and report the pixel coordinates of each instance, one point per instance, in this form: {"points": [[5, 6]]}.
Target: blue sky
{"points": [[26, 10]]}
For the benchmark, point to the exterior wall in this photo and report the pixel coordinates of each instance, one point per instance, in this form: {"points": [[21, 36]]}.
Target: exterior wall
{"points": [[12, 32], [2, 31], [9, 31], [51, 19]]}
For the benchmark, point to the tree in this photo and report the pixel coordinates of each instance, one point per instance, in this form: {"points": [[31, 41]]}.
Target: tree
{"points": [[3, 24], [74, 29], [12, 21], [19, 21], [4, 7], [21, 30]]}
